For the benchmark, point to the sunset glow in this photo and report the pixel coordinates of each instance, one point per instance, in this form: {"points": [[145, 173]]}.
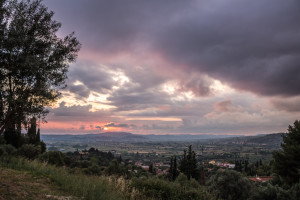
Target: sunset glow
{"points": [[190, 73]]}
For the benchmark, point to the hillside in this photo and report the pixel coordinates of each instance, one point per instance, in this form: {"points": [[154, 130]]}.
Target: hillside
{"points": [[18, 185], [108, 136], [273, 139]]}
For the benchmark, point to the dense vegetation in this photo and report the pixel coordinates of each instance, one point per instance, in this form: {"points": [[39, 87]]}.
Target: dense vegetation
{"points": [[115, 178]]}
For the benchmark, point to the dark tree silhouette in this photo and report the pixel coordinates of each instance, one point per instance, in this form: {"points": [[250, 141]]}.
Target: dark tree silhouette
{"points": [[173, 171], [286, 160], [33, 63], [188, 163]]}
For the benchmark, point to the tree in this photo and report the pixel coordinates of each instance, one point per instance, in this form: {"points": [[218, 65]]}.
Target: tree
{"points": [[33, 63], [286, 160], [230, 184], [188, 163], [173, 171], [151, 169]]}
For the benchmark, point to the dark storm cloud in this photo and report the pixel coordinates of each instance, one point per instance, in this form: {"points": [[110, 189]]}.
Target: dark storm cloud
{"points": [[80, 90], [111, 124], [77, 112], [112, 26], [287, 104], [137, 101], [174, 109], [252, 45], [94, 77]]}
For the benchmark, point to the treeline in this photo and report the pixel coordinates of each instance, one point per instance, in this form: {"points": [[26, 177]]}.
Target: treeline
{"points": [[186, 179]]}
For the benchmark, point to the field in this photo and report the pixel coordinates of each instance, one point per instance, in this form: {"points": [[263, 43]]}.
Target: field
{"points": [[252, 148]]}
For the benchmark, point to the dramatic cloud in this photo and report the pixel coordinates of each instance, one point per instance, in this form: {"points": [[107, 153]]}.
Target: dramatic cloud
{"points": [[111, 124], [252, 45], [77, 113], [178, 66], [287, 104]]}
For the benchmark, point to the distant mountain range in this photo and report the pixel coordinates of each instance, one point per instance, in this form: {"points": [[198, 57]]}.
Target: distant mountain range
{"points": [[129, 137]]}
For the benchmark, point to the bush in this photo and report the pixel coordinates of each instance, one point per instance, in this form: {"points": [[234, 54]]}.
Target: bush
{"points": [[2, 140], [7, 149], [29, 151], [53, 158], [181, 189], [93, 170], [270, 192], [295, 191], [230, 184]]}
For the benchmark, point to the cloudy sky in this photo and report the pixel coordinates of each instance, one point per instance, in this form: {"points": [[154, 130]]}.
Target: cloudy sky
{"points": [[180, 67]]}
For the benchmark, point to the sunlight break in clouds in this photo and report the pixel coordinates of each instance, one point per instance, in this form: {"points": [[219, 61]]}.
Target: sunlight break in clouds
{"points": [[180, 67]]}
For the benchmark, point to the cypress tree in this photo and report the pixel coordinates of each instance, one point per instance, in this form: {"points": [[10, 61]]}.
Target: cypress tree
{"points": [[286, 161], [188, 163]]}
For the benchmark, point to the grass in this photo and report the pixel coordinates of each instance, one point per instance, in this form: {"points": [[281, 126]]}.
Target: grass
{"points": [[17, 185], [82, 186]]}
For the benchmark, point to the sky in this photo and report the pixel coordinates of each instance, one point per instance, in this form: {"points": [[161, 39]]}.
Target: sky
{"points": [[179, 67]]}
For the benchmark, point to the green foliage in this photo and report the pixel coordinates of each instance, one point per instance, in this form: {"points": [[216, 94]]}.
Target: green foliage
{"points": [[230, 184], [53, 158], [188, 164], [13, 137], [270, 192], [173, 171], [181, 189], [42, 144], [29, 151], [2, 140], [295, 191], [286, 161], [85, 187], [93, 170], [7, 149], [115, 168]]}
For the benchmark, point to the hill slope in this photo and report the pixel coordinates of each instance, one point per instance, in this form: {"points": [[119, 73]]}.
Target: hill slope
{"points": [[19, 185]]}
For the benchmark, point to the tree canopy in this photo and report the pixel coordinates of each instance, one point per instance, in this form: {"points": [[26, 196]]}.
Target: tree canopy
{"points": [[286, 161], [33, 62], [188, 163]]}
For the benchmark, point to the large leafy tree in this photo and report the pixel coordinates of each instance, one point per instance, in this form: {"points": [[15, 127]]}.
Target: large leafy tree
{"points": [[230, 184], [33, 62], [287, 160]]}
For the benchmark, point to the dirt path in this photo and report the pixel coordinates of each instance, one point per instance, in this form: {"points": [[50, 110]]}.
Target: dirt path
{"points": [[17, 185]]}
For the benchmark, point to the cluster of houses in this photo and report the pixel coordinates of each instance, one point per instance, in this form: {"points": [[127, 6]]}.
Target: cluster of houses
{"points": [[220, 164], [159, 167]]}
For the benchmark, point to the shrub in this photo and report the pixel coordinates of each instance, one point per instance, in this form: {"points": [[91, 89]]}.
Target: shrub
{"points": [[29, 151], [270, 192], [93, 170], [7, 149], [230, 184], [181, 189], [53, 158]]}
